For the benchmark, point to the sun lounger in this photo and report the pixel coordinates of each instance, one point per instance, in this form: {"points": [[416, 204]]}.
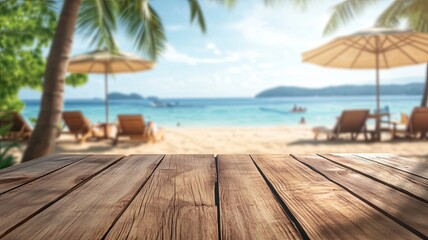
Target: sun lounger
{"points": [[18, 129], [80, 126], [134, 127], [350, 122], [417, 125]]}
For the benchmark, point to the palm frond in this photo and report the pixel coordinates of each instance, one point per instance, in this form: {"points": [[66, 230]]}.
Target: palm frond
{"points": [[416, 15], [228, 3], [97, 21], [196, 13], [272, 2], [144, 25], [50, 4], [391, 16], [4, 150], [6, 162], [412, 12], [345, 12]]}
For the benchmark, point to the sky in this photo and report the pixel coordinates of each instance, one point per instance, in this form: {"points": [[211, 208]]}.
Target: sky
{"points": [[245, 50]]}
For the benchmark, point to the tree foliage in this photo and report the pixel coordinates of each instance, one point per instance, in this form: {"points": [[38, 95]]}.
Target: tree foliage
{"points": [[26, 28], [98, 21], [6, 158], [413, 13]]}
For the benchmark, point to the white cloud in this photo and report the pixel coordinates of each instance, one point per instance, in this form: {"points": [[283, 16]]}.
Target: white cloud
{"points": [[258, 31], [173, 55], [239, 69], [214, 48], [268, 27]]}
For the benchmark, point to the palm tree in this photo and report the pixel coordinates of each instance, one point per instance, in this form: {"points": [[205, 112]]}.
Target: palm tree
{"points": [[413, 13], [95, 19]]}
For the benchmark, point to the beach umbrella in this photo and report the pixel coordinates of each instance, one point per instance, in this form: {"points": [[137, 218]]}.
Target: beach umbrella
{"points": [[373, 48], [107, 62]]}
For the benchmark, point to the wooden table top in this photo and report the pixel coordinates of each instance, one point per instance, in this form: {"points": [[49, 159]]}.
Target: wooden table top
{"points": [[342, 196]]}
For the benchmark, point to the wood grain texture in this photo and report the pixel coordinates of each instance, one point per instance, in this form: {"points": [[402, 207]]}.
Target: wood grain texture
{"points": [[411, 166], [248, 209], [405, 209], [90, 210], [408, 183], [324, 209], [23, 173], [21, 203], [178, 202]]}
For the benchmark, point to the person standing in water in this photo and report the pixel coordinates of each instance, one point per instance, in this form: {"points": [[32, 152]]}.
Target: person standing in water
{"points": [[295, 108]]}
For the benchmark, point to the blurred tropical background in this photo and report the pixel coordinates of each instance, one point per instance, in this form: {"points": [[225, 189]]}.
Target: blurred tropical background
{"points": [[215, 76]]}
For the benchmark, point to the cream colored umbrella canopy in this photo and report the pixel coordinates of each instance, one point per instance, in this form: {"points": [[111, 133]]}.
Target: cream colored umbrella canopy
{"points": [[373, 48], [107, 62]]}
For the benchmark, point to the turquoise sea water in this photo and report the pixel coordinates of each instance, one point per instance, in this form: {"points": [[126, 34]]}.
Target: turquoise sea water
{"points": [[234, 112]]}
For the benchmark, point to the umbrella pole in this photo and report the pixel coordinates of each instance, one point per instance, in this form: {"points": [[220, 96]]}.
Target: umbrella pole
{"points": [[378, 117], [377, 87], [106, 95]]}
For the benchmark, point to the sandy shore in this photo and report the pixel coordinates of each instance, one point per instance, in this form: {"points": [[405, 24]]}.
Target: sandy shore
{"points": [[297, 140]]}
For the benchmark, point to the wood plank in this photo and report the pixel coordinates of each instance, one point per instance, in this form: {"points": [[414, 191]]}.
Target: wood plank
{"points": [[407, 165], [413, 185], [20, 204], [90, 210], [325, 210], [23, 173], [404, 209], [178, 202], [248, 209]]}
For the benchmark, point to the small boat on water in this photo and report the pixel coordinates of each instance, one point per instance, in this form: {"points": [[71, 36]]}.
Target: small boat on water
{"points": [[280, 111], [158, 104], [273, 110], [298, 110]]}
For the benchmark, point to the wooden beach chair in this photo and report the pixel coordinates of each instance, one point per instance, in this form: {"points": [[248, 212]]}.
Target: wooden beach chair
{"points": [[18, 129], [80, 126], [350, 122], [134, 127], [417, 125]]}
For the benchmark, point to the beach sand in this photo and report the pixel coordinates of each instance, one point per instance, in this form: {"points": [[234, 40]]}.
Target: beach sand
{"points": [[274, 140]]}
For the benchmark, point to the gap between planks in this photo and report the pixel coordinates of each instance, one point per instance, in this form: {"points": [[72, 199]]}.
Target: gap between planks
{"points": [[217, 198]]}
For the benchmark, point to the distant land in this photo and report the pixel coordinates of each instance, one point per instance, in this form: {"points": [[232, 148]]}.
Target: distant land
{"points": [[344, 90], [124, 96], [153, 98]]}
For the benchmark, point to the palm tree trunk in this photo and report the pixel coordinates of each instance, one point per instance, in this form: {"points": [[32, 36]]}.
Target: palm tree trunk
{"points": [[425, 97], [42, 141]]}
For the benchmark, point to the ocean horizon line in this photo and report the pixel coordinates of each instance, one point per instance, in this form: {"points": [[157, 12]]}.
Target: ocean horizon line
{"points": [[229, 97]]}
